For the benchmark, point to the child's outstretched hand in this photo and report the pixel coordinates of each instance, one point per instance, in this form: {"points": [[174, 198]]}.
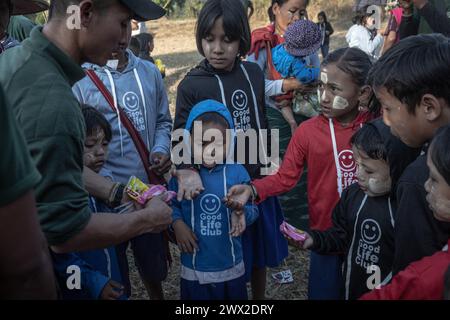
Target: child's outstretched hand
{"points": [[238, 196], [186, 239], [112, 291], [238, 224]]}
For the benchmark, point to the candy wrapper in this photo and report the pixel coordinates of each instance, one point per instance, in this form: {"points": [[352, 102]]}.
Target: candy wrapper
{"points": [[141, 193], [292, 232], [283, 277]]}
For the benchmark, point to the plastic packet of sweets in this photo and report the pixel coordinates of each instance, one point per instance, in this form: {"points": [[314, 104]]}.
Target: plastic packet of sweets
{"points": [[135, 188], [292, 232]]}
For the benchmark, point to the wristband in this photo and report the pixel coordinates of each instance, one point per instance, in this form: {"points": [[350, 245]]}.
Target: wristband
{"points": [[118, 195]]}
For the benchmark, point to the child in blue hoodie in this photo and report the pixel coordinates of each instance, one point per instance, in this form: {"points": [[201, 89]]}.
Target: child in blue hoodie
{"points": [[99, 270], [207, 232]]}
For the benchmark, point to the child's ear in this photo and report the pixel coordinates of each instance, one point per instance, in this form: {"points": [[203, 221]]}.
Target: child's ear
{"points": [[431, 107], [276, 8], [365, 94]]}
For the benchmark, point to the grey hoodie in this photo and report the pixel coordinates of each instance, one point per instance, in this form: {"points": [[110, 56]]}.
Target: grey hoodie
{"points": [[139, 90]]}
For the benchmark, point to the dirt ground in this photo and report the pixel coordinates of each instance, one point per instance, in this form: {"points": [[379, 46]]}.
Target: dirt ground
{"points": [[175, 46]]}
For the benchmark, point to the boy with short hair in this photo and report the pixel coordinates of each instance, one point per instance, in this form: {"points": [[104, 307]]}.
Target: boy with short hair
{"points": [[412, 84]]}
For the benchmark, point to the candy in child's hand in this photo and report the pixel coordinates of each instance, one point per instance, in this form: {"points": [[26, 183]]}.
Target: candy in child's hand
{"points": [[292, 232]]}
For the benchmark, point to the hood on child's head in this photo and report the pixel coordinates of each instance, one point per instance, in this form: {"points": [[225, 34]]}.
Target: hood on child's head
{"points": [[399, 155], [209, 106]]}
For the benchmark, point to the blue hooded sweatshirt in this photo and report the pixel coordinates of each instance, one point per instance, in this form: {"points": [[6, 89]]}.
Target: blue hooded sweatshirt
{"points": [[97, 267], [219, 257], [139, 91], [290, 66]]}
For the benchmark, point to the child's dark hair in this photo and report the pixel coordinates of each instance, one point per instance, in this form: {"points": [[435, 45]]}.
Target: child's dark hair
{"points": [[440, 154], [413, 67], [95, 120], [362, 15], [213, 117], [369, 140], [352, 61], [323, 15], [235, 23], [135, 46], [280, 3]]}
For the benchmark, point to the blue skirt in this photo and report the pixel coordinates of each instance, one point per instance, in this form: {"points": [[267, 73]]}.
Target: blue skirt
{"points": [[263, 244]]}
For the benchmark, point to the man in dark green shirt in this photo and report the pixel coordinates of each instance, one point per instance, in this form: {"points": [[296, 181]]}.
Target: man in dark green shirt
{"points": [[25, 269], [38, 77]]}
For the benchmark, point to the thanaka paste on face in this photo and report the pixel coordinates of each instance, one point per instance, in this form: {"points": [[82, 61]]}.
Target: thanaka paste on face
{"points": [[379, 187]]}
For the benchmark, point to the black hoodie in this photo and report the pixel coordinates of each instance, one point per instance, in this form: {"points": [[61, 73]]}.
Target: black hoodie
{"points": [[417, 233], [232, 88], [363, 226]]}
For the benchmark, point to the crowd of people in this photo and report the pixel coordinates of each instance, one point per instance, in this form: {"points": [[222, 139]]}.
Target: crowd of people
{"points": [[85, 118]]}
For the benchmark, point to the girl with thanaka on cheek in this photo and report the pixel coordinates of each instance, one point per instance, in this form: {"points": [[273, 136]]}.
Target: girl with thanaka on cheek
{"points": [[323, 144]]}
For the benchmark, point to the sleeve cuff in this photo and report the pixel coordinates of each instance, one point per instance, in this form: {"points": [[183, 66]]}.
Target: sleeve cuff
{"points": [[161, 149]]}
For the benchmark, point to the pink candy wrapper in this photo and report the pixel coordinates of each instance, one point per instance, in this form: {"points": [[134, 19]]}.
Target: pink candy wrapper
{"points": [[292, 232], [155, 191]]}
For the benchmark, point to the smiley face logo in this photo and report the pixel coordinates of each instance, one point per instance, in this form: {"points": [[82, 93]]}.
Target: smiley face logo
{"points": [[347, 161], [131, 101], [370, 231], [239, 100], [210, 203]]}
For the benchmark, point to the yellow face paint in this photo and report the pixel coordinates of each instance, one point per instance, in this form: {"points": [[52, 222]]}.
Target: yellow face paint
{"points": [[340, 103], [324, 77]]}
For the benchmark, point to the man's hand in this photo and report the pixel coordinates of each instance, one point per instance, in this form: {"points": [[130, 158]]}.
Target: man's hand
{"points": [[238, 224], [238, 196], [112, 291], [186, 238], [158, 214], [189, 184], [161, 163]]}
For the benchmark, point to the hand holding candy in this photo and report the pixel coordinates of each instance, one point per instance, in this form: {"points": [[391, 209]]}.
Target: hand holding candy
{"points": [[298, 238], [141, 193]]}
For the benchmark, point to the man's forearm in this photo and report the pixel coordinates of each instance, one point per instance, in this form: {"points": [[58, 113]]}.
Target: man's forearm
{"points": [[104, 230], [96, 185], [108, 229]]}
